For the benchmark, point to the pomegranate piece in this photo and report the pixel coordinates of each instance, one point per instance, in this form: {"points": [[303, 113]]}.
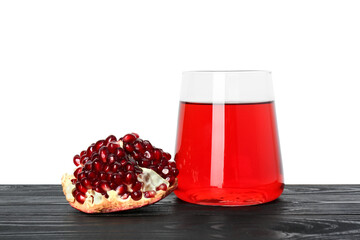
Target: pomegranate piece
{"points": [[114, 175]]}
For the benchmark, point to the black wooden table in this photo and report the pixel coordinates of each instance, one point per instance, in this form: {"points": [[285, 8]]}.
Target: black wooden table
{"points": [[302, 212]]}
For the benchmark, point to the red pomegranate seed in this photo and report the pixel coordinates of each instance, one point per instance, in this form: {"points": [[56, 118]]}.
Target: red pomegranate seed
{"points": [[113, 146], [157, 155], [83, 153], [129, 138], [104, 152], [129, 177], [108, 177], [97, 165], [96, 183], [174, 172], [117, 178], [90, 150], [162, 187], [145, 163], [136, 155], [125, 196], [147, 145], [139, 147], [135, 134], [81, 175], [102, 176], [136, 195], [105, 186], [137, 186], [149, 155], [91, 175], [129, 147], [80, 197], [112, 186], [76, 160], [77, 171], [123, 162], [73, 181], [165, 170], [111, 158], [120, 153], [121, 189], [166, 155], [149, 194], [115, 167], [109, 139], [80, 187], [172, 164], [88, 165], [86, 183], [99, 144], [129, 167], [170, 179], [106, 168]]}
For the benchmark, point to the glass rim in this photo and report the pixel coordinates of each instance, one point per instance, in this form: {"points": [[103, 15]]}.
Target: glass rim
{"points": [[228, 71]]}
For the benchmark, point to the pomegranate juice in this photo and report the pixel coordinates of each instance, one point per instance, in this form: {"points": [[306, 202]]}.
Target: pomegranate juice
{"points": [[228, 154]]}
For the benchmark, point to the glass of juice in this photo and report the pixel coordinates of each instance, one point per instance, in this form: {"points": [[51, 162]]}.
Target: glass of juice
{"points": [[227, 148]]}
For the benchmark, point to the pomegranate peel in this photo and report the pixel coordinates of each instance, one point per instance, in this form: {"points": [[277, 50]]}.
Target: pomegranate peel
{"points": [[119, 175]]}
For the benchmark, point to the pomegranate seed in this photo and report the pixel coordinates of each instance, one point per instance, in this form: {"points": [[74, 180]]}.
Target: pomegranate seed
{"points": [[149, 154], [113, 146], [112, 186], [76, 160], [86, 183], [120, 153], [111, 158], [102, 176], [73, 181], [172, 164], [80, 187], [145, 163], [166, 155], [174, 172], [136, 195], [83, 153], [157, 155], [99, 144], [105, 186], [106, 168], [129, 138], [109, 139], [91, 175], [139, 147], [88, 165], [95, 183], [80, 197], [123, 162], [99, 189], [81, 175], [147, 145], [108, 177], [136, 155], [104, 152], [137, 186], [165, 170], [125, 196], [90, 150], [129, 177], [170, 179], [117, 178], [162, 187], [115, 167], [83, 159], [149, 194], [129, 167], [95, 156], [129, 147], [121, 189], [97, 165], [77, 171], [135, 134]]}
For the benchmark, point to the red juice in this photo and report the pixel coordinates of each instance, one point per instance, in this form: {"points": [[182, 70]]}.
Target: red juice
{"points": [[228, 154]]}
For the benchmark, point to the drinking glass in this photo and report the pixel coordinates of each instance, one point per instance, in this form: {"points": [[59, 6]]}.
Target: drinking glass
{"points": [[227, 148]]}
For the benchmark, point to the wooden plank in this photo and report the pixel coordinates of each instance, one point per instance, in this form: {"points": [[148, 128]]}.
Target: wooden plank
{"points": [[302, 212]]}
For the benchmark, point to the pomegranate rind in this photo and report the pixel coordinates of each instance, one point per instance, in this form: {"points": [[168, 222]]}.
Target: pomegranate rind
{"points": [[112, 204]]}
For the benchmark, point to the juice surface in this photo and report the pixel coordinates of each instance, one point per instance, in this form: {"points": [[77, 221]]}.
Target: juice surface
{"points": [[228, 154]]}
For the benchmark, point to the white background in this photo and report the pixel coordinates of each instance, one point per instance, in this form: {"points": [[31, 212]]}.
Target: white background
{"points": [[73, 72]]}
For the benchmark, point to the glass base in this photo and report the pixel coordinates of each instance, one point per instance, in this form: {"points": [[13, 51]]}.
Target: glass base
{"points": [[228, 197]]}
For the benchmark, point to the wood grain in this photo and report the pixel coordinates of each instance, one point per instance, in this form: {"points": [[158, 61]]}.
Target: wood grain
{"points": [[302, 212]]}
